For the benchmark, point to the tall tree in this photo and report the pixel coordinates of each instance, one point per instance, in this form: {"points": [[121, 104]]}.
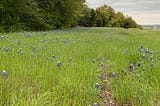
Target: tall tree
{"points": [[8, 21], [129, 23], [69, 11], [93, 18], [85, 17]]}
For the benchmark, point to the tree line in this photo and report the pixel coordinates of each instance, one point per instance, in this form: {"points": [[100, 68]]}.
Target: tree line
{"points": [[105, 16], [32, 15]]}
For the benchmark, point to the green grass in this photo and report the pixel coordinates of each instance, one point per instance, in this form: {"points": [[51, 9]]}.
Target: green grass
{"points": [[33, 79]]}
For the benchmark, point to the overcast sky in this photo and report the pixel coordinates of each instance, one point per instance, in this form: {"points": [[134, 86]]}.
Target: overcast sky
{"points": [[142, 11]]}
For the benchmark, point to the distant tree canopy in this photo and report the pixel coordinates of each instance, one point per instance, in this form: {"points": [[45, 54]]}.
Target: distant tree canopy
{"points": [[16, 15], [105, 16]]}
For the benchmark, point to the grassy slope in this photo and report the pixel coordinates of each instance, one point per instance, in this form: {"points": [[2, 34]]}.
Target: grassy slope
{"points": [[34, 79]]}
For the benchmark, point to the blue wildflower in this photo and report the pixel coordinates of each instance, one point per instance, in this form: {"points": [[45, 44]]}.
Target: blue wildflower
{"points": [[102, 86], [143, 56], [4, 73], [139, 64], [6, 49], [95, 104], [59, 64], [101, 65], [147, 51], [141, 47], [100, 77], [131, 67], [113, 74], [143, 69], [53, 57], [152, 65], [97, 85]]}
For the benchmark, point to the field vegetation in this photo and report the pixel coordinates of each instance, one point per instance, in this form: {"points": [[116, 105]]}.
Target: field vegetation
{"points": [[63, 67]]}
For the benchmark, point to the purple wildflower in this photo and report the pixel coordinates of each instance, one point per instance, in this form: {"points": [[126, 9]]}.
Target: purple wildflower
{"points": [[113, 75], [97, 85], [139, 64], [59, 64], [4, 73], [131, 67]]}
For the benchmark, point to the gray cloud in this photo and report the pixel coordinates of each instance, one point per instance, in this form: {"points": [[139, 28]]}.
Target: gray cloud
{"points": [[143, 11]]}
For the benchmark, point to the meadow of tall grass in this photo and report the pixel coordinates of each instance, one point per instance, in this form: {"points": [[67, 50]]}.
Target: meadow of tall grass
{"points": [[62, 67]]}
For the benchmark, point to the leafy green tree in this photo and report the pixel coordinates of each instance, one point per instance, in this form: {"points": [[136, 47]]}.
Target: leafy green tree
{"points": [[28, 14], [84, 19], [103, 16], [69, 11], [129, 23], [8, 21], [93, 18], [120, 18]]}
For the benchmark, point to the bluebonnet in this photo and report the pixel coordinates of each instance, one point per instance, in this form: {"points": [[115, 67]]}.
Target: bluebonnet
{"points": [[95, 104], [152, 65], [147, 51], [143, 69], [97, 85], [59, 63], [101, 65], [143, 56], [141, 47], [100, 77], [113, 74], [53, 57], [139, 64], [102, 86], [131, 67], [6, 49], [4, 73]]}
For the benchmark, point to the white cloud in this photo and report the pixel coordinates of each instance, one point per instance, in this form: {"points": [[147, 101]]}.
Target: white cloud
{"points": [[143, 11]]}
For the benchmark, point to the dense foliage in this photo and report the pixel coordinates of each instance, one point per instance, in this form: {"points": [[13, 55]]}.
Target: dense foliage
{"points": [[38, 14], [105, 16], [55, 14]]}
